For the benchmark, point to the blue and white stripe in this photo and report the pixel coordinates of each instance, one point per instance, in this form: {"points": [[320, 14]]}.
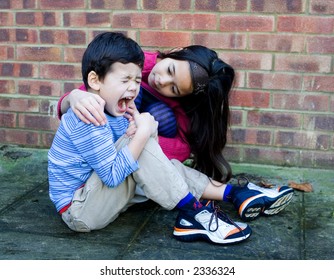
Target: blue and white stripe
{"points": [[78, 149]]}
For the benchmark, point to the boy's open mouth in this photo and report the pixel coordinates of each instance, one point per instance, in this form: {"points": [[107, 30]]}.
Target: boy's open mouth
{"points": [[123, 103]]}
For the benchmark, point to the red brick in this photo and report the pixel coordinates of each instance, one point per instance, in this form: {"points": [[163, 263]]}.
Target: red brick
{"points": [[277, 42], [5, 35], [319, 123], [6, 52], [114, 4], [18, 105], [301, 24], [26, 35], [221, 5], [19, 70], [303, 63], [57, 37], [46, 139], [273, 119], [137, 20], [250, 61], [171, 5], [42, 88], [17, 4], [300, 102], [271, 156], [77, 37], [19, 137], [38, 122], [52, 18], [6, 18], [191, 21], [100, 19], [5, 4], [29, 18], [319, 83], [317, 159], [62, 4], [164, 39], [274, 6], [221, 40], [250, 136], [247, 23], [60, 72], [240, 79], [236, 117], [257, 99], [322, 45], [274, 81], [49, 107], [73, 54], [305, 140], [7, 86], [233, 154], [7, 69], [7, 119], [321, 7], [39, 53], [70, 86]]}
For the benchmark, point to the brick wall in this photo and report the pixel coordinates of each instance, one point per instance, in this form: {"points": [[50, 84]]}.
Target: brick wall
{"points": [[282, 102]]}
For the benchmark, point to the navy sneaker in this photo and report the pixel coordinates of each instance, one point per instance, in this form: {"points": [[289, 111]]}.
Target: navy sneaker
{"points": [[252, 200], [211, 224]]}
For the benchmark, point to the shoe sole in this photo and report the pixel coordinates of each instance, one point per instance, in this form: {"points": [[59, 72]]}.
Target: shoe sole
{"points": [[253, 207], [194, 235]]}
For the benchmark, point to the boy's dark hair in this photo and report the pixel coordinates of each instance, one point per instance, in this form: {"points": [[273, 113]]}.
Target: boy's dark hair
{"points": [[106, 49]]}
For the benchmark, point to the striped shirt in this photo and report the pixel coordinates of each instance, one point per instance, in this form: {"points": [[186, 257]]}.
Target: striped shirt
{"points": [[78, 149]]}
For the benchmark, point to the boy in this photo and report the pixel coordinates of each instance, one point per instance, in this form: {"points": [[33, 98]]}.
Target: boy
{"points": [[94, 171]]}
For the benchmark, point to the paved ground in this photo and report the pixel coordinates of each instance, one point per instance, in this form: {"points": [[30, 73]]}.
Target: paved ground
{"points": [[30, 229]]}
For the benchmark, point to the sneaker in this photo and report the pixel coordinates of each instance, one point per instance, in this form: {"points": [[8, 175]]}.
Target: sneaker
{"points": [[252, 200], [211, 224]]}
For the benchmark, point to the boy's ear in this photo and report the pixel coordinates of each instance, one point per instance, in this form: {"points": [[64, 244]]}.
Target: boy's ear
{"points": [[93, 81]]}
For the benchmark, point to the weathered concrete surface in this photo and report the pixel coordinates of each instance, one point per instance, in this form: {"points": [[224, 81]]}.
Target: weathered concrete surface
{"points": [[30, 228]]}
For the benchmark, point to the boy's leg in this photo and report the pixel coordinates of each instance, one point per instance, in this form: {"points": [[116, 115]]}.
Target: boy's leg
{"points": [[159, 178], [196, 181], [96, 205]]}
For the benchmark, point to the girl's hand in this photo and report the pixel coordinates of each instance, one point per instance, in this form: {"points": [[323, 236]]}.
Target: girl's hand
{"points": [[88, 107]]}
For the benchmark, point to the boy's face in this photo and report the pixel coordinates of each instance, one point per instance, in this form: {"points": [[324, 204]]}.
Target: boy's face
{"points": [[120, 87]]}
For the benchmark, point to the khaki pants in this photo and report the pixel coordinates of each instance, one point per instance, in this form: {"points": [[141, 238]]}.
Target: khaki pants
{"points": [[166, 182]]}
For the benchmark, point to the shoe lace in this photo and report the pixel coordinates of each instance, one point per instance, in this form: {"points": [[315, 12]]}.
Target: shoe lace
{"points": [[243, 181], [218, 213]]}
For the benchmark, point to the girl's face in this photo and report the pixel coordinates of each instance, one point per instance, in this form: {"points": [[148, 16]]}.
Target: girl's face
{"points": [[171, 77]]}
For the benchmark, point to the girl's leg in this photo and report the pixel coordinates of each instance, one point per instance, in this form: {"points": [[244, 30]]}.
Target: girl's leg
{"points": [[199, 184]]}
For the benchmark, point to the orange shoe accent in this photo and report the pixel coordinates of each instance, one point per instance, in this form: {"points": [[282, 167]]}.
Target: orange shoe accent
{"points": [[233, 231], [182, 230], [245, 202]]}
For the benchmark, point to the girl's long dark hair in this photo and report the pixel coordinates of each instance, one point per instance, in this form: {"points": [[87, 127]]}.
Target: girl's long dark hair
{"points": [[208, 112]]}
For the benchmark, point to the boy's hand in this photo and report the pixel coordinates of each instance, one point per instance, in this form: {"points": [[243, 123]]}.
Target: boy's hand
{"points": [[131, 129], [88, 107], [146, 124]]}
